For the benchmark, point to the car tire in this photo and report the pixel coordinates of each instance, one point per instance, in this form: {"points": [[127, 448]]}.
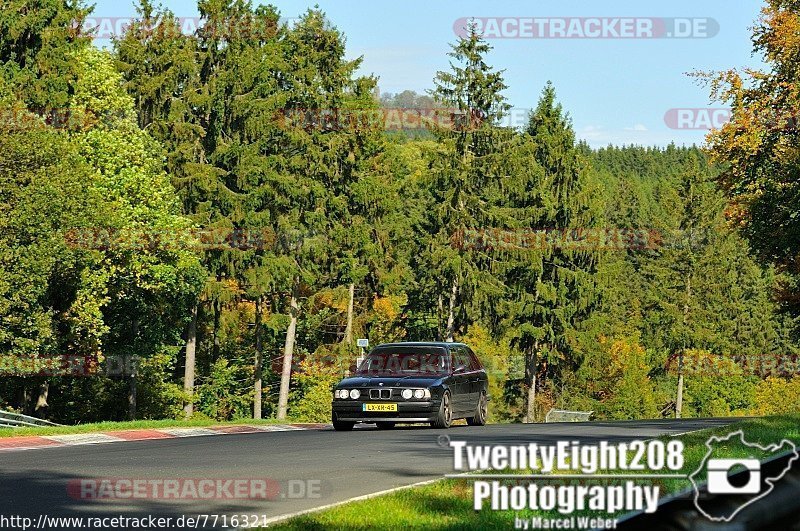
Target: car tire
{"points": [[385, 425], [445, 416], [480, 413], [339, 425]]}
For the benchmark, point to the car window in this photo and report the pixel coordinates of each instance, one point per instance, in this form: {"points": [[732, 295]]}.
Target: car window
{"points": [[460, 357], [475, 363]]}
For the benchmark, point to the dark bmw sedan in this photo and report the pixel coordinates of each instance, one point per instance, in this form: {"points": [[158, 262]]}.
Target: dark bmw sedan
{"points": [[434, 383]]}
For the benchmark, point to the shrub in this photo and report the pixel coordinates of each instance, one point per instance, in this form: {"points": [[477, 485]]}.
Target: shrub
{"points": [[497, 357], [220, 395], [310, 401], [157, 396], [632, 395], [721, 391], [775, 396]]}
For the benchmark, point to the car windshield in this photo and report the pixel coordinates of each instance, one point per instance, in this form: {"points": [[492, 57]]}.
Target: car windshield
{"points": [[405, 361]]}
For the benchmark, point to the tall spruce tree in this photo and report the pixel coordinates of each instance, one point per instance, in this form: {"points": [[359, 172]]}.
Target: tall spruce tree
{"points": [[37, 43], [550, 279], [463, 170], [328, 163]]}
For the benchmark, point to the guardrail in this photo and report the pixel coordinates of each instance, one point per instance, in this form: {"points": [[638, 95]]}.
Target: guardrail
{"points": [[560, 415], [18, 420]]}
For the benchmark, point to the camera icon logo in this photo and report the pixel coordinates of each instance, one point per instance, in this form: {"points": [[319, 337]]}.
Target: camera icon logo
{"points": [[719, 482], [740, 477]]}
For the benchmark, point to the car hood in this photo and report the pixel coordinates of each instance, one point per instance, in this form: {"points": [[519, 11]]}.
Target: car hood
{"points": [[390, 381]]}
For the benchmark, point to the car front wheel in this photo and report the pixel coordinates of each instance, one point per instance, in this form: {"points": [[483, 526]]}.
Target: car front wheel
{"points": [[445, 416]]}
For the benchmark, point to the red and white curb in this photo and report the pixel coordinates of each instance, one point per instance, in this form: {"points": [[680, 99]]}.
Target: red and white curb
{"points": [[54, 441]]}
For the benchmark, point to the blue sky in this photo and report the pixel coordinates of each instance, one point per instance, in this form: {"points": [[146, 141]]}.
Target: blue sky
{"points": [[616, 90]]}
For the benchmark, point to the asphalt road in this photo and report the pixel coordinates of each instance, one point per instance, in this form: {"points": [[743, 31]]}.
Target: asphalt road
{"points": [[333, 466]]}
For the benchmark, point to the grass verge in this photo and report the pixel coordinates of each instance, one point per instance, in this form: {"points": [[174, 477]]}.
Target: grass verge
{"points": [[447, 504], [129, 425]]}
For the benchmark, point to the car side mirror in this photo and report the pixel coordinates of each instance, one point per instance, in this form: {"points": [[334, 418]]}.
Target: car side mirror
{"points": [[459, 369]]}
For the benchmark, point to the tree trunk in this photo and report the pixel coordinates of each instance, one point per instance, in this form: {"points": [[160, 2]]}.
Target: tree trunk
{"points": [[288, 351], [188, 374], [259, 363], [132, 390], [348, 331], [25, 400], [41, 403], [530, 374], [439, 312], [451, 313], [132, 384], [679, 400], [530, 412], [215, 332]]}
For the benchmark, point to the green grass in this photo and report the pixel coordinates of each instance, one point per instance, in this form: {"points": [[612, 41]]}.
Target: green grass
{"points": [[447, 504], [129, 425], [443, 505]]}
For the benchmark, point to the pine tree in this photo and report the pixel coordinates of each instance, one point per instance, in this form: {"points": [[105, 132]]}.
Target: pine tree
{"points": [[328, 163], [551, 281], [463, 170], [37, 43]]}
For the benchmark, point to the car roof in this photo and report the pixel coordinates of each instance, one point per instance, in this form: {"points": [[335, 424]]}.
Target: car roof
{"points": [[422, 344]]}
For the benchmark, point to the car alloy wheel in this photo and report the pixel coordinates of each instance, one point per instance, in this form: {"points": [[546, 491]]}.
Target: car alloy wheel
{"points": [[445, 416], [481, 414]]}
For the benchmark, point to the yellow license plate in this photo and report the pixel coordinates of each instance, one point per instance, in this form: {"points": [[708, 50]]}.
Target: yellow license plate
{"points": [[380, 407]]}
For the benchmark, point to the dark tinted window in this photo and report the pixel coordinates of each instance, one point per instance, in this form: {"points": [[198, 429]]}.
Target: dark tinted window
{"points": [[474, 363], [460, 357], [453, 359], [404, 361]]}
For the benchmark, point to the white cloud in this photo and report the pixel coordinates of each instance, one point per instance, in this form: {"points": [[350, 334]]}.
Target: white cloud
{"points": [[592, 132]]}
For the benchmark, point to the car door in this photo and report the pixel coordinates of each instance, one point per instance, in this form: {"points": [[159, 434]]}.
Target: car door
{"points": [[472, 376], [459, 388], [478, 381]]}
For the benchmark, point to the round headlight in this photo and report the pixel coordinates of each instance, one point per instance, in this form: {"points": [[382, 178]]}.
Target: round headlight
{"points": [[355, 393], [407, 393], [341, 393], [419, 393]]}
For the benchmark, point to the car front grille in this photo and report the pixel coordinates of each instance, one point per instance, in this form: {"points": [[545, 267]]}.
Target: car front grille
{"points": [[380, 394]]}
